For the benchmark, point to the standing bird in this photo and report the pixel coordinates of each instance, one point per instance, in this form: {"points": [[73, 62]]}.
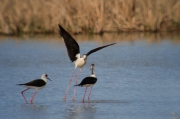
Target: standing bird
{"points": [[74, 55], [88, 82], [35, 84]]}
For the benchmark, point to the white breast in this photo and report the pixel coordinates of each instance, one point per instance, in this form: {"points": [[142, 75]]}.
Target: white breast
{"points": [[80, 62]]}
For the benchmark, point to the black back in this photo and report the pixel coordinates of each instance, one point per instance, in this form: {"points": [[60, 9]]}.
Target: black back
{"points": [[99, 48], [88, 80], [37, 83], [71, 45]]}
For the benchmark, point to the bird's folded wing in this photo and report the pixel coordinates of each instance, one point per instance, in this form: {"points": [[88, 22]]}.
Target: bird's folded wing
{"points": [[88, 80], [37, 83]]}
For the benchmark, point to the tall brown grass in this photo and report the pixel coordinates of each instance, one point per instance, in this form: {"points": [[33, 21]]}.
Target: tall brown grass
{"points": [[89, 16]]}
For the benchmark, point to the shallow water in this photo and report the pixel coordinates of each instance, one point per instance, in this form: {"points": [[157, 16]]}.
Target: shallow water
{"points": [[138, 78]]}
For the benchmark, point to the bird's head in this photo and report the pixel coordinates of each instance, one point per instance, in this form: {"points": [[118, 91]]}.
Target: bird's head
{"points": [[84, 56], [44, 77], [92, 66]]}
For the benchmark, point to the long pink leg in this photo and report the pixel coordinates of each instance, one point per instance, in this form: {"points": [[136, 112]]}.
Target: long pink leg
{"points": [[69, 84], [23, 94], [76, 84], [84, 95], [89, 93], [33, 96]]}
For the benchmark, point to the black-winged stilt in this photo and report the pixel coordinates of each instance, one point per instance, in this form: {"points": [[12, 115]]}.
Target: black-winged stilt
{"points": [[36, 84], [88, 82], [74, 55]]}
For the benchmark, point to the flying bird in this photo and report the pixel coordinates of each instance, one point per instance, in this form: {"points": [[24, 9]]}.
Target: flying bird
{"points": [[73, 50], [36, 84], [88, 82]]}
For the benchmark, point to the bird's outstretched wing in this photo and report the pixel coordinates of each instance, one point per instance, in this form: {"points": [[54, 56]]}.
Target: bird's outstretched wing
{"points": [[71, 45], [99, 48]]}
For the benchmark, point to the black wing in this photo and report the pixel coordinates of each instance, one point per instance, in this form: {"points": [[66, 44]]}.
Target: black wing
{"points": [[37, 83], [88, 80], [99, 48], [71, 45]]}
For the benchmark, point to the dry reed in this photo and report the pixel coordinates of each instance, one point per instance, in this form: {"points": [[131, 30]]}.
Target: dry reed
{"points": [[89, 16]]}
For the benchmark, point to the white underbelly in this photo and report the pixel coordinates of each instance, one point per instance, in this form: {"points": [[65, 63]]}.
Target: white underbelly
{"points": [[34, 87], [80, 63], [88, 85]]}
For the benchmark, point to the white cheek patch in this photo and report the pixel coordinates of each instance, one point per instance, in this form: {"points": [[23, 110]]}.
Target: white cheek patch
{"points": [[62, 38]]}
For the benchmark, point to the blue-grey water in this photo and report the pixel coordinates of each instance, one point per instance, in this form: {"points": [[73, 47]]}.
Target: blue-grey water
{"points": [[138, 78]]}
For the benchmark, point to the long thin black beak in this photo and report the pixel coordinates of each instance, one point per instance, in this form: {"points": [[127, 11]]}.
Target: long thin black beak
{"points": [[49, 79]]}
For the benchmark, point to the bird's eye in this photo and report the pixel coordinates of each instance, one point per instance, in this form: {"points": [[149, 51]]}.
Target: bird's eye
{"points": [[46, 75]]}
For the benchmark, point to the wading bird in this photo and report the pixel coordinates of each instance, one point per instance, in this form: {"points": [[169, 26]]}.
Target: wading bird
{"points": [[74, 55], [88, 82], [35, 84]]}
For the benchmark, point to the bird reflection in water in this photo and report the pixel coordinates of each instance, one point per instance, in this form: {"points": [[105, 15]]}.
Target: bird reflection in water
{"points": [[80, 111]]}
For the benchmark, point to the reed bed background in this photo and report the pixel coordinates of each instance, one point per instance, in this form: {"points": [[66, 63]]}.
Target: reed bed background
{"points": [[88, 16]]}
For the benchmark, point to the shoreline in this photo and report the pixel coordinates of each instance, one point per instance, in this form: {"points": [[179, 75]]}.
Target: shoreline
{"points": [[85, 33]]}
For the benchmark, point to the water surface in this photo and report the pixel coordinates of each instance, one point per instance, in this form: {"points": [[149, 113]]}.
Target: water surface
{"points": [[138, 78]]}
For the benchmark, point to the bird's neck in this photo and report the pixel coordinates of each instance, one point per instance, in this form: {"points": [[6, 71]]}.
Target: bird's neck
{"points": [[84, 57], [92, 73], [44, 79]]}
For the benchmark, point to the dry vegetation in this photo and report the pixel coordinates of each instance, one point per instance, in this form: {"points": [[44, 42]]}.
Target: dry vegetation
{"points": [[90, 16]]}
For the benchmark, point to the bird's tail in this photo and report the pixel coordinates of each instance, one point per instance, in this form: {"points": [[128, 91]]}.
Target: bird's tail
{"points": [[19, 84], [77, 85]]}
